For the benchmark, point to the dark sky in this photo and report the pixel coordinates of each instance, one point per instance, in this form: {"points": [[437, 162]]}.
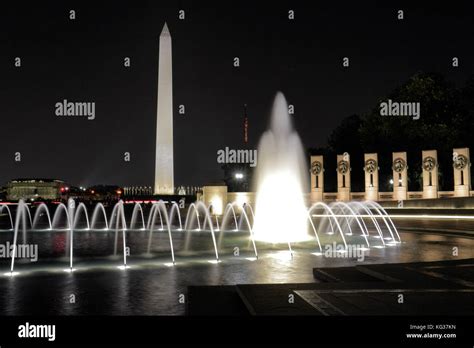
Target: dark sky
{"points": [[82, 60]]}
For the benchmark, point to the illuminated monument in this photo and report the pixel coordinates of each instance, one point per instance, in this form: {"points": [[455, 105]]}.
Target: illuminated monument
{"points": [[164, 172]]}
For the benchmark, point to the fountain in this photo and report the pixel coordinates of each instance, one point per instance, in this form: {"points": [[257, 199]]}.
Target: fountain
{"points": [[341, 220], [71, 206], [120, 224], [5, 206], [230, 208], [160, 207], [42, 208], [280, 215], [81, 208], [137, 209], [99, 208], [280, 212], [20, 219]]}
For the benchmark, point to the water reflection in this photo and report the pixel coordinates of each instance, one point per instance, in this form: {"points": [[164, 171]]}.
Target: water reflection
{"points": [[150, 287]]}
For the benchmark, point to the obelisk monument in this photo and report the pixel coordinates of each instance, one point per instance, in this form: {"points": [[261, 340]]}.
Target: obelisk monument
{"points": [[164, 172]]}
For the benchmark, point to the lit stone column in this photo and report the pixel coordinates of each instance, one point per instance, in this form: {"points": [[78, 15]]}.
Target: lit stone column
{"points": [[317, 178], [429, 165], [400, 176], [343, 177], [215, 194], [462, 172], [164, 170], [371, 168]]}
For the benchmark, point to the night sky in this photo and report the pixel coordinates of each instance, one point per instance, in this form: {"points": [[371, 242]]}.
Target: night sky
{"points": [[82, 60]]}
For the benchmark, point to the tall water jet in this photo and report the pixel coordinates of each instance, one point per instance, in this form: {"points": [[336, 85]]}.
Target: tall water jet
{"points": [[20, 220], [121, 224], [281, 177], [71, 206]]}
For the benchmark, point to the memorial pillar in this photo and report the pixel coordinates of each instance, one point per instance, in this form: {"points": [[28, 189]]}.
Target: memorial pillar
{"points": [[430, 173], [371, 176], [317, 178], [400, 176], [462, 172], [343, 177]]}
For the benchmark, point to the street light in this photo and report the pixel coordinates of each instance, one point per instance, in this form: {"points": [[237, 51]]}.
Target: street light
{"points": [[239, 176]]}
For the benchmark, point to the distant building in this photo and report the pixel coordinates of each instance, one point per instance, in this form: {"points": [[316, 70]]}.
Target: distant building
{"points": [[27, 189], [104, 193]]}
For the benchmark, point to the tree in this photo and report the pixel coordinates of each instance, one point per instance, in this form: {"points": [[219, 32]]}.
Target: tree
{"points": [[344, 138]]}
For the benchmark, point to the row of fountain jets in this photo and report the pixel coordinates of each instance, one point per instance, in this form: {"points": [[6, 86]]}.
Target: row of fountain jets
{"points": [[337, 218]]}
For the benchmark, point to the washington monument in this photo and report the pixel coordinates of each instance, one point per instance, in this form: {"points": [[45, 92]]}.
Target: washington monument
{"points": [[164, 172]]}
